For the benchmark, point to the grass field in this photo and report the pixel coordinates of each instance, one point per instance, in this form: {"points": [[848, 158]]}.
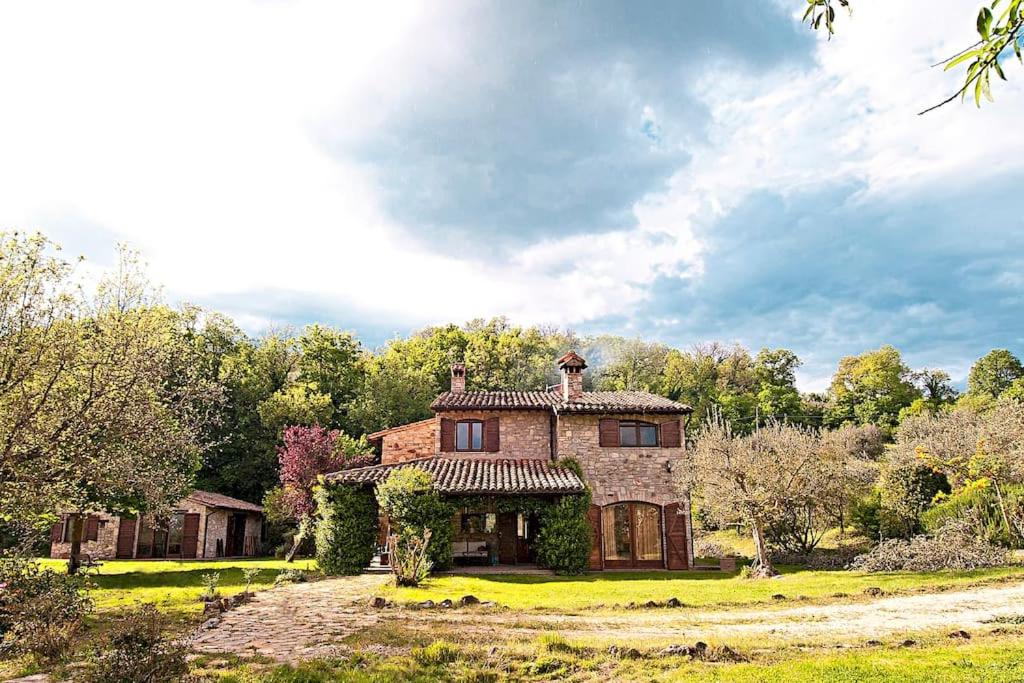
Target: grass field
{"points": [[175, 585], [532, 591]]}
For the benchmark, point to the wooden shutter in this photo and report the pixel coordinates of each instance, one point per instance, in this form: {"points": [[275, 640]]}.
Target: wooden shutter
{"points": [[594, 517], [92, 528], [57, 531], [125, 538], [608, 433], [447, 435], [671, 437], [492, 439], [675, 537], [190, 535]]}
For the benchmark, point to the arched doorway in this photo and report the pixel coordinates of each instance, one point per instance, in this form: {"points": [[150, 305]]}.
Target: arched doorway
{"points": [[632, 536]]}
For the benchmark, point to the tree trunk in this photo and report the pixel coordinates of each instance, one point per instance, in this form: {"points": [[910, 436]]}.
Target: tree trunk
{"points": [[300, 536], [762, 562], [75, 556]]}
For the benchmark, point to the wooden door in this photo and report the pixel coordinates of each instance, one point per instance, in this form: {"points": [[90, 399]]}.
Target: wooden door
{"points": [[125, 538], [190, 536], [507, 537], [677, 550], [596, 555]]}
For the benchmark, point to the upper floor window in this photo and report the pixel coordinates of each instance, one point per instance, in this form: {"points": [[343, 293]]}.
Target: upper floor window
{"points": [[634, 433], [469, 435]]}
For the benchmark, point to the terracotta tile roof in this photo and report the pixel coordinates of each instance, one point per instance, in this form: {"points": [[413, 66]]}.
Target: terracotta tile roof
{"points": [[476, 475], [622, 401], [496, 400], [216, 500], [588, 402]]}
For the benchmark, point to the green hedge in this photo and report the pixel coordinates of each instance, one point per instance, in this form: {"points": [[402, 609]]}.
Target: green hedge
{"points": [[346, 529], [409, 500], [564, 541]]}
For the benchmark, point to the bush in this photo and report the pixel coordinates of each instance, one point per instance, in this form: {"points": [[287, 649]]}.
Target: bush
{"points": [[438, 652], [346, 529], [412, 505], [955, 546], [409, 560], [41, 611], [211, 580], [138, 652], [286, 576], [563, 543], [978, 501], [908, 486]]}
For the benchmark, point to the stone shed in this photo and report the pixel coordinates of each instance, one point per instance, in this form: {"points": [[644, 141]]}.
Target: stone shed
{"points": [[202, 525]]}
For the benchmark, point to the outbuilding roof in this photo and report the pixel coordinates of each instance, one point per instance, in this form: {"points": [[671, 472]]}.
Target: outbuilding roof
{"points": [[217, 500], [476, 475]]}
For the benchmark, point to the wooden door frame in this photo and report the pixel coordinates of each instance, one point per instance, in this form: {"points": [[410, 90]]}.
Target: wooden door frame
{"points": [[633, 562]]}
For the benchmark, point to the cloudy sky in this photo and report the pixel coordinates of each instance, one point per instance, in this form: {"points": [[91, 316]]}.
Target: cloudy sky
{"points": [[685, 170]]}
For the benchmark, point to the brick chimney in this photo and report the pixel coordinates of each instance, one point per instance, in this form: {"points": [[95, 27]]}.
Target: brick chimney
{"points": [[571, 365], [458, 378]]}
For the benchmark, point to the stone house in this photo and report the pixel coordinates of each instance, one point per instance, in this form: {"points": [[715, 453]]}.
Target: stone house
{"points": [[503, 444], [202, 525]]}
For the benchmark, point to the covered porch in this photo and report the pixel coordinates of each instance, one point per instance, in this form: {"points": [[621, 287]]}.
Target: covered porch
{"points": [[497, 505]]}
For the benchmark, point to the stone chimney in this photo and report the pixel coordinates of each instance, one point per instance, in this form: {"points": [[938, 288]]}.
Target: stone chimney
{"points": [[458, 378], [571, 365]]}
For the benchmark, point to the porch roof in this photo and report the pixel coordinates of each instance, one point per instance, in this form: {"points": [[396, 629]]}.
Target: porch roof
{"points": [[476, 475]]}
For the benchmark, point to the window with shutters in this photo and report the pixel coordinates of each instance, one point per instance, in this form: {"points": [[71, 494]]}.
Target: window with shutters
{"points": [[469, 435], [633, 433]]}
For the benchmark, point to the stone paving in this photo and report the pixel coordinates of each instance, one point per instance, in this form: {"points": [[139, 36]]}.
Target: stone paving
{"points": [[296, 621]]}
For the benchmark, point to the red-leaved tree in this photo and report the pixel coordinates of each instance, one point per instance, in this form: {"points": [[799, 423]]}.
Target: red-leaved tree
{"points": [[307, 453]]}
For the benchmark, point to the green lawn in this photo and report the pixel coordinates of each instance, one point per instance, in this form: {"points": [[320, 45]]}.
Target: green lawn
{"points": [[533, 591], [175, 585]]}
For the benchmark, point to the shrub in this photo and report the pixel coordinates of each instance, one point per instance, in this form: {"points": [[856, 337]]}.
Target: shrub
{"points": [[412, 505], [346, 529], [286, 576], [563, 543], [41, 611], [978, 501], [138, 652], [250, 574], [409, 561], [211, 580], [955, 546], [908, 486]]}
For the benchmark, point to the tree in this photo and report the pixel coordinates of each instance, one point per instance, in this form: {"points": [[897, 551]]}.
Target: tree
{"points": [[775, 372], [631, 365], [998, 34], [306, 454], [757, 478], [871, 388], [711, 375], [332, 363], [993, 373], [103, 404]]}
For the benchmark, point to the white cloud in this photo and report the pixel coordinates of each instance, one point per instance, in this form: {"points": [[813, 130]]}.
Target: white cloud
{"points": [[194, 135]]}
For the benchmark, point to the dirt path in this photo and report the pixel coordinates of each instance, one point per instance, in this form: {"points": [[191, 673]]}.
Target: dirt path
{"points": [[302, 621], [885, 616], [298, 621]]}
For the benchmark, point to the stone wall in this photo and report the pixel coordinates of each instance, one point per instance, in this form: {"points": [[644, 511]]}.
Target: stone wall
{"points": [[103, 548], [622, 473], [415, 440], [522, 433], [216, 525]]}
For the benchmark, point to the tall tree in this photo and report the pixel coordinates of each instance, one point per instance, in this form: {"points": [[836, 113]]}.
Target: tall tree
{"points": [[871, 388], [775, 372], [331, 362], [993, 373], [631, 364], [714, 375], [102, 402]]}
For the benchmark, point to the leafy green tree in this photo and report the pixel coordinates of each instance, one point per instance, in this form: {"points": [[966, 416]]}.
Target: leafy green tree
{"points": [[631, 365], [393, 394], [712, 375], [102, 401], [296, 404], [1000, 27], [332, 362], [871, 388], [993, 373], [775, 372]]}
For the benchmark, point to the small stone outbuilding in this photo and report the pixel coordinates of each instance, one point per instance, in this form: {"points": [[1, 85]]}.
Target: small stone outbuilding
{"points": [[202, 525]]}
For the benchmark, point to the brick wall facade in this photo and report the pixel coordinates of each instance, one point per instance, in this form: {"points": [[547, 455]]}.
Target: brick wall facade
{"points": [[416, 440], [523, 433]]}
